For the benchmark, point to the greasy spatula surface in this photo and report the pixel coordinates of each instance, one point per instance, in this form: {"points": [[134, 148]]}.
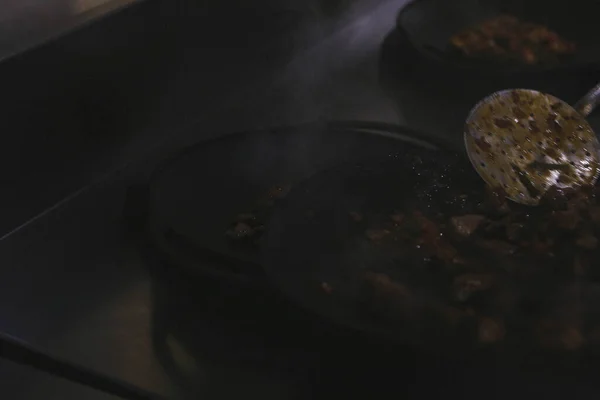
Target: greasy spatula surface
{"points": [[525, 142]]}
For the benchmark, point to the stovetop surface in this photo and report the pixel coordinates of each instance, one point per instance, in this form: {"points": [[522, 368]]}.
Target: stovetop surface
{"points": [[78, 283], [104, 299], [74, 285]]}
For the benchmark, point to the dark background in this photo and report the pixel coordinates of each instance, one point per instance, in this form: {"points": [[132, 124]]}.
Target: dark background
{"points": [[127, 89]]}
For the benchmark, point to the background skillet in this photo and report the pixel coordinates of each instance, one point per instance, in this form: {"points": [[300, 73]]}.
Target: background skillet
{"points": [[421, 74]]}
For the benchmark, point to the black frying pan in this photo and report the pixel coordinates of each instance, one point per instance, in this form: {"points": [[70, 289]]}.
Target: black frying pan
{"points": [[312, 238], [317, 252], [421, 73], [429, 24]]}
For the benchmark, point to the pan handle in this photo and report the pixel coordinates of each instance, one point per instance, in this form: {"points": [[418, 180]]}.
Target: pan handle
{"points": [[587, 103], [20, 352]]}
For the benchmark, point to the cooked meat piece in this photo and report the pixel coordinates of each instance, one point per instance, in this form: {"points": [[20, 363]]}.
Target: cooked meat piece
{"points": [[568, 219], [506, 38], [497, 246], [542, 247], [594, 213], [504, 300], [556, 335], [515, 231], [433, 241], [579, 266], [240, 230], [356, 217], [279, 192], [397, 218], [587, 241], [326, 287], [537, 246], [390, 299], [428, 227], [376, 235], [571, 338], [495, 199], [554, 198], [467, 224], [387, 285], [448, 315], [468, 284], [490, 330], [250, 225], [579, 199], [246, 217]]}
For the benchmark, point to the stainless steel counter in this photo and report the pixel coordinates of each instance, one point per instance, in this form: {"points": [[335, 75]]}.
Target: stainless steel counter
{"points": [[16, 381], [73, 285], [28, 23]]}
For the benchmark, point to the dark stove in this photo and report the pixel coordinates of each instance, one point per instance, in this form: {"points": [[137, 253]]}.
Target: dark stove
{"points": [[82, 282]]}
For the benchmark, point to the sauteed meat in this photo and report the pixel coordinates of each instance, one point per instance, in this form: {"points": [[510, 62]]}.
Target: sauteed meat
{"points": [[506, 38], [502, 271], [247, 228]]}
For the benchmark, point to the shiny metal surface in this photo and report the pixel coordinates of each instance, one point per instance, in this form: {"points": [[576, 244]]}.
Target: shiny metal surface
{"points": [[27, 23], [526, 142]]}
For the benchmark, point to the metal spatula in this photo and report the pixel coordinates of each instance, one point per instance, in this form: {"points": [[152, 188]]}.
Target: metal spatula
{"points": [[525, 142]]}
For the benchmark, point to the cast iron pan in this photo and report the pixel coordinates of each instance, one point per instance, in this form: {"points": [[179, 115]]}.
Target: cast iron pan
{"points": [[196, 194], [313, 239], [317, 252], [429, 24]]}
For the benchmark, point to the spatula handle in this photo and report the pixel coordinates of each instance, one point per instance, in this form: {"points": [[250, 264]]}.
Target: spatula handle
{"points": [[588, 102]]}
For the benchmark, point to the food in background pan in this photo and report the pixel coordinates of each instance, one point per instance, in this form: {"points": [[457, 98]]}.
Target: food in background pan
{"points": [[248, 227], [506, 38], [499, 272]]}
